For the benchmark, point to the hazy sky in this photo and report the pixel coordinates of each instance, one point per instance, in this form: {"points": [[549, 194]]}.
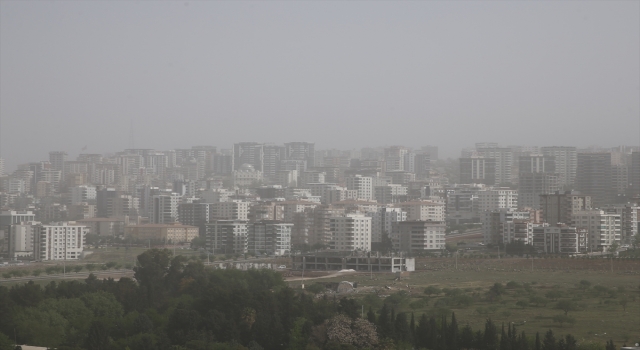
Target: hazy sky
{"points": [[341, 74]]}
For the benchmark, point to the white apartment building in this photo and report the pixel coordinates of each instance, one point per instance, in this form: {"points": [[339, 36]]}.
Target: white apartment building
{"points": [[351, 232], [82, 194], [496, 198], [232, 210], [312, 177], [60, 241], [164, 208], [269, 237], [227, 236], [362, 184], [604, 228], [293, 207], [423, 210], [382, 221], [417, 236]]}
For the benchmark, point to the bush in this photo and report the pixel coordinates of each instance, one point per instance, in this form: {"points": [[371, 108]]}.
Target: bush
{"points": [[316, 288], [522, 303], [563, 319], [419, 304], [513, 285]]}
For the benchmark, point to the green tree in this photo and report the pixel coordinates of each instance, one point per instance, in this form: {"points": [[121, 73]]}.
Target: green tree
{"points": [[153, 266], [432, 290], [566, 306], [549, 341], [104, 306], [78, 268], [561, 319], [98, 337], [36, 272], [40, 327], [584, 285]]}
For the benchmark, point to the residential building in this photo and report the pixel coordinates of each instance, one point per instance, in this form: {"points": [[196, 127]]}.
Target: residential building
{"points": [[628, 220], [14, 217], [20, 240], [593, 177], [418, 236], [391, 193], [301, 151], [227, 237], [361, 184], [246, 176], [561, 239], [382, 221], [559, 207], [83, 194], [59, 241], [269, 237], [169, 233], [106, 227], [251, 153], [164, 208], [423, 210], [351, 232], [503, 157], [494, 220], [533, 184], [566, 162], [604, 228], [518, 230], [495, 198], [478, 170], [231, 210]]}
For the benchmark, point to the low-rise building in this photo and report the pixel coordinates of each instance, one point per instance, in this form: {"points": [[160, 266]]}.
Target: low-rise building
{"points": [[170, 233], [560, 239]]}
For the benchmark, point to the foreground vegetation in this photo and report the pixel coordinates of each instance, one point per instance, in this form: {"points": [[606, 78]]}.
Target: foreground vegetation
{"points": [[175, 303]]}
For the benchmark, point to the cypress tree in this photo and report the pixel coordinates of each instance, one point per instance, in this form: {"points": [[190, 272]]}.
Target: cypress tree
{"points": [[402, 330], [466, 337], [371, 316], [442, 341], [523, 344], [611, 345], [549, 342], [504, 339], [452, 342], [434, 333], [490, 336], [422, 332], [570, 342], [538, 346], [412, 327]]}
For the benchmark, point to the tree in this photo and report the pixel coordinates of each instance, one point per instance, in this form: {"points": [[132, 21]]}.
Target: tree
{"points": [[98, 336], [584, 285], [623, 302], [432, 290], [78, 268], [522, 303], [549, 341], [610, 345], [566, 306], [554, 294], [402, 330], [491, 341], [563, 319], [153, 266], [36, 272]]}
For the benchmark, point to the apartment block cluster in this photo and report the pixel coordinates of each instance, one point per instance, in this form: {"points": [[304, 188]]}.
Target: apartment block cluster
{"points": [[272, 199], [558, 199]]}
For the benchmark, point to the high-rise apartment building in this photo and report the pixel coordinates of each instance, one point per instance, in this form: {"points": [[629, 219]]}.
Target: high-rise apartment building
{"points": [[478, 170], [57, 160], [362, 184], [634, 175], [273, 155], [83, 194], [350, 233], [533, 184], [394, 158], [495, 198], [62, 241], [382, 221], [593, 177], [164, 208], [227, 237], [423, 210], [503, 157], [604, 228], [251, 153], [558, 208], [418, 236], [566, 162], [269, 237], [301, 151]]}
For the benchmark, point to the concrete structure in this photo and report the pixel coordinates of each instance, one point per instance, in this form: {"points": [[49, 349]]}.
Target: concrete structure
{"points": [[478, 170], [423, 210], [13, 217], [593, 177], [110, 227], [503, 157], [391, 193], [418, 236], [361, 184], [462, 203], [628, 220], [20, 240], [227, 237], [495, 198], [559, 207], [251, 153], [164, 208], [301, 151], [566, 162], [382, 221], [493, 221], [518, 230], [604, 228], [172, 233], [246, 176], [533, 184], [232, 210], [269, 237], [83, 194], [337, 262], [350, 233], [60, 241], [560, 239]]}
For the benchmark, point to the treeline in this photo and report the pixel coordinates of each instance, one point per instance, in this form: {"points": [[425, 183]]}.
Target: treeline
{"points": [[177, 304]]}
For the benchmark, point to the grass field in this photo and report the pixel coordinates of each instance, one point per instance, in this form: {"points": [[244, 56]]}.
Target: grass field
{"points": [[599, 315]]}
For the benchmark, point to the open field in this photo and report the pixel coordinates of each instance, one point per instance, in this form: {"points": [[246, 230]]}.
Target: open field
{"points": [[599, 313]]}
